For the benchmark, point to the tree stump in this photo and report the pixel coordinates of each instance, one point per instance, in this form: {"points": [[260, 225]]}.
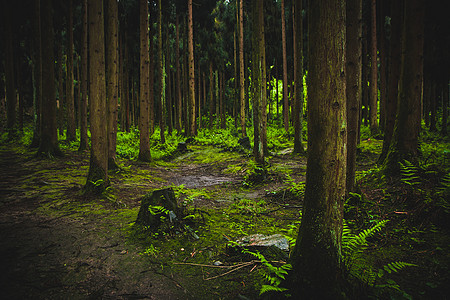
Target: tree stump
{"points": [[164, 198]]}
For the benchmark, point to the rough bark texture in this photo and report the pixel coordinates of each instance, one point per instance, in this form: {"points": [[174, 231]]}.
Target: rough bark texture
{"points": [[84, 80], [191, 71], [144, 127], [317, 255], [298, 81], [404, 143], [241, 69], [374, 72], [97, 179], [393, 76], [71, 127], [354, 89], [285, 76], [112, 78], [48, 145]]}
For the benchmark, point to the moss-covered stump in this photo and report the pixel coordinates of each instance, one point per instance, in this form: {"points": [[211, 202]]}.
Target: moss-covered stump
{"points": [[156, 206]]}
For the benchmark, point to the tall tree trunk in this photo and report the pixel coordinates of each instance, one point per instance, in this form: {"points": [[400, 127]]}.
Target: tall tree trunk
{"points": [[112, 77], [11, 99], [71, 127], [404, 143], [84, 80], [161, 75], [60, 81], [191, 72], [317, 255], [298, 82], [168, 85], [37, 73], [383, 63], [48, 145], [258, 86], [241, 69], [285, 71], [374, 72], [144, 126], [354, 89], [178, 104], [394, 75], [151, 86], [211, 95], [97, 179]]}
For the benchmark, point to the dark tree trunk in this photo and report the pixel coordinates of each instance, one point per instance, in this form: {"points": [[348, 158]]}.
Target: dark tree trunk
{"points": [[373, 72], [71, 126], [161, 76], [48, 145], [285, 71], [354, 89], [191, 71], [241, 69], [37, 74], [317, 256], [298, 81], [178, 105], [84, 80]]}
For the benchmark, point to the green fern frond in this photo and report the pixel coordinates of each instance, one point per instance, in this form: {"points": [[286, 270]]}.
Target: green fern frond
{"points": [[269, 288], [396, 266], [355, 243], [409, 172]]}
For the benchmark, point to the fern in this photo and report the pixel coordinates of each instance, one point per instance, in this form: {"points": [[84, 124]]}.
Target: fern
{"points": [[156, 209], [273, 275], [410, 173], [352, 244]]}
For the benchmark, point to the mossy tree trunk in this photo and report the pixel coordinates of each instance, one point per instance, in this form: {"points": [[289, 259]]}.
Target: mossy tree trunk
{"points": [[317, 256], [298, 81], [112, 78], [84, 80], [48, 145], [144, 127], [354, 89], [405, 138], [97, 179]]}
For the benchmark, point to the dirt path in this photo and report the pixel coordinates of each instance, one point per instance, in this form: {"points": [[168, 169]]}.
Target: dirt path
{"points": [[70, 256]]}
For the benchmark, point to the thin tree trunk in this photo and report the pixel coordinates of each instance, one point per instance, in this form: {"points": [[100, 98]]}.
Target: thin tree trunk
{"points": [[191, 71], [318, 244], [168, 85], [97, 179], [211, 96], [374, 73], [71, 127], [37, 71], [178, 104], [84, 80], [9, 71], [298, 81], [151, 86], [354, 88], [161, 75], [241, 69], [144, 126], [112, 72], [60, 102], [285, 72]]}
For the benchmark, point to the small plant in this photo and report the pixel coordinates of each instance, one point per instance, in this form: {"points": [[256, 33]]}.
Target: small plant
{"points": [[410, 173], [151, 251], [296, 188]]}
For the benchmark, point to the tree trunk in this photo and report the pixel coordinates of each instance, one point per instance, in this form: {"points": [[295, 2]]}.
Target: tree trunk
{"points": [[298, 82], [11, 99], [211, 95], [112, 78], [84, 80], [354, 89], [241, 69], [151, 86], [285, 71], [393, 76], [404, 143], [445, 93], [178, 104], [37, 73], [374, 73], [161, 76], [144, 126], [60, 105], [48, 145], [191, 72], [97, 179], [71, 127], [317, 255]]}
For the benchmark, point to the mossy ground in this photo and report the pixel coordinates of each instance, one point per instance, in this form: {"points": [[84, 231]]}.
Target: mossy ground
{"points": [[58, 242]]}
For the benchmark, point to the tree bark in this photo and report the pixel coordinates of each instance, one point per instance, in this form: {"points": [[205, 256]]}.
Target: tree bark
{"points": [[354, 88], [97, 179], [191, 72], [71, 127], [48, 145], [404, 143], [144, 127], [178, 104], [285, 71], [374, 73], [112, 78], [298, 82], [37, 73], [241, 69], [317, 256], [161, 76], [11, 99], [84, 80]]}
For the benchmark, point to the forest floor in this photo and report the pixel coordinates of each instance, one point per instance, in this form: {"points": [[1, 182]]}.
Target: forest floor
{"points": [[56, 243]]}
